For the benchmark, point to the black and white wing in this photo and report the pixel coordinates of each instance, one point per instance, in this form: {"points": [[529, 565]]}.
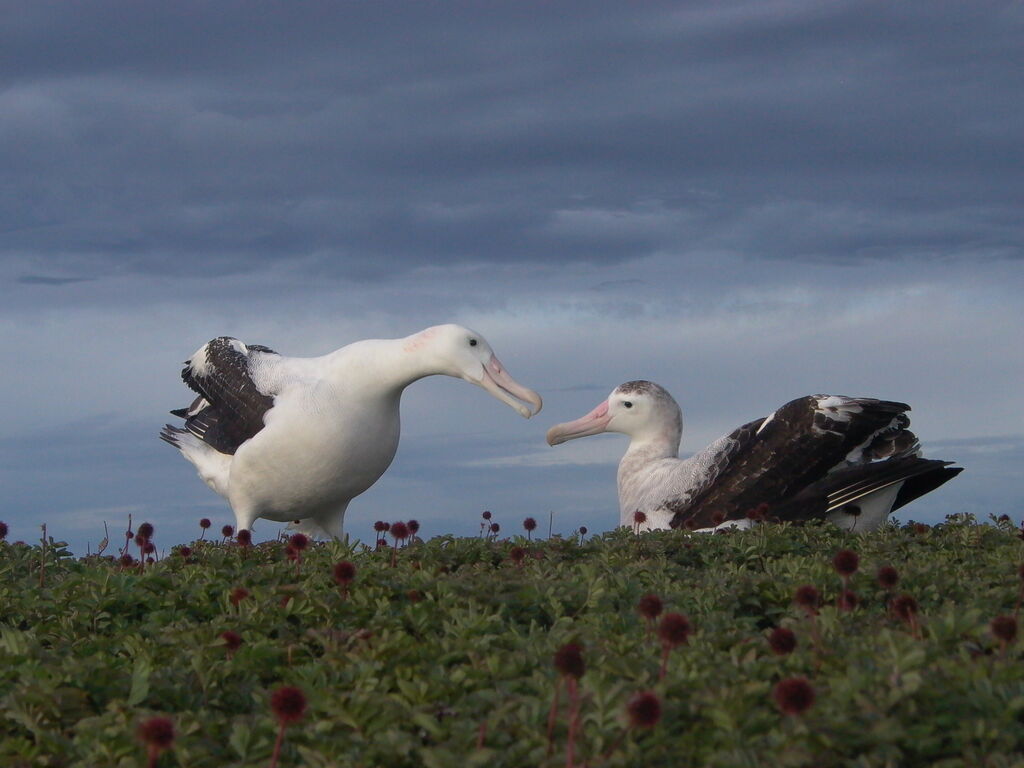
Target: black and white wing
{"points": [[235, 390], [795, 447]]}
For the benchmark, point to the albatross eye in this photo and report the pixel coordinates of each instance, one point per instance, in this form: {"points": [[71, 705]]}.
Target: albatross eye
{"points": [[472, 342], [627, 404]]}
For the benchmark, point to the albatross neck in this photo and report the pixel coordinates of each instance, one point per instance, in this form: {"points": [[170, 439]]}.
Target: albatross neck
{"points": [[384, 365]]}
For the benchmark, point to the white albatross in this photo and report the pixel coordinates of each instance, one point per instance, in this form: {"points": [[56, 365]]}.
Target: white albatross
{"points": [[849, 460], [295, 439]]}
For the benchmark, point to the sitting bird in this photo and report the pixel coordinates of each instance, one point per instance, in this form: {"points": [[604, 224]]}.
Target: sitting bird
{"points": [[295, 439], [849, 460]]}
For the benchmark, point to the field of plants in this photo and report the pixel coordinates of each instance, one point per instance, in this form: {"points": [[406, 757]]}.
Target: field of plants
{"points": [[774, 646]]}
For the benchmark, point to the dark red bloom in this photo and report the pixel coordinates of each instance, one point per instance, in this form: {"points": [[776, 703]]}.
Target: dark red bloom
{"points": [[227, 531], [807, 597], [888, 577], [149, 547], [569, 660], [920, 528], [414, 595], [157, 732], [414, 526], [530, 524], [1004, 628], [146, 531], [644, 710], [793, 696], [717, 517], [758, 513], [639, 517], [244, 538], [517, 554], [400, 531], [486, 515], [782, 641], [4, 530], [344, 573], [674, 629], [380, 526], [583, 530], [289, 704], [847, 600], [298, 541], [495, 527], [846, 562], [905, 606], [238, 594], [205, 523], [232, 640], [185, 551], [140, 540], [649, 606]]}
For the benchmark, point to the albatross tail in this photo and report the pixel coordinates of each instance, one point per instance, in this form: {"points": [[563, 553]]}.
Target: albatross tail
{"points": [[213, 466]]}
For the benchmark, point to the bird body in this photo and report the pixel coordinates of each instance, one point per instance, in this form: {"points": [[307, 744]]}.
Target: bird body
{"points": [[296, 439], [847, 460]]}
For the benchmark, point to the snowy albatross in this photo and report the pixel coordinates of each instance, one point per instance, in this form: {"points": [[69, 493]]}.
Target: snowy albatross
{"points": [[850, 460], [297, 438]]}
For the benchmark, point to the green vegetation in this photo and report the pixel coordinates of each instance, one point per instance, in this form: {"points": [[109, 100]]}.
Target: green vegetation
{"points": [[447, 658]]}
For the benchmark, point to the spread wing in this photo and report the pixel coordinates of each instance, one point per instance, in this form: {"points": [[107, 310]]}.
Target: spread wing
{"points": [[234, 388], [795, 447]]}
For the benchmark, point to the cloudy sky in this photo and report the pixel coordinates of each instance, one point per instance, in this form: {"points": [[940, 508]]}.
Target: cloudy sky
{"points": [[745, 201]]}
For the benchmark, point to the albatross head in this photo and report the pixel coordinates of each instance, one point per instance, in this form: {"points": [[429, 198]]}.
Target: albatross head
{"points": [[641, 409], [465, 354]]}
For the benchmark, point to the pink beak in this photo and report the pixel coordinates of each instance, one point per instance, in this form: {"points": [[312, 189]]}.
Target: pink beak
{"points": [[502, 386], [593, 423]]}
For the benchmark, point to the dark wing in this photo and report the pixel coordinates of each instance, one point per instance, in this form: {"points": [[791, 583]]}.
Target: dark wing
{"points": [[231, 405], [845, 488], [796, 446]]}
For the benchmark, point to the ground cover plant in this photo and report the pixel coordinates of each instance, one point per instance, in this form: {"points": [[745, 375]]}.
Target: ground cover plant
{"points": [[774, 646]]}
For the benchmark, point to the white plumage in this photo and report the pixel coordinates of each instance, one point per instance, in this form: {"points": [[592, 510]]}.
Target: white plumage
{"points": [[296, 439]]}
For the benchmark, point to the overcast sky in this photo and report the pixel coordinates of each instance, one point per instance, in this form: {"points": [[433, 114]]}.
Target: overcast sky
{"points": [[743, 201]]}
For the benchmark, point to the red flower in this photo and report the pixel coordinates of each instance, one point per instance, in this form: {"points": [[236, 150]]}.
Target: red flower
{"points": [[569, 660], [530, 524], [639, 517], [758, 513], [807, 597], [205, 523], [146, 531], [793, 696], [905, 606], [888, 577], [644, 710], [847, 600], [288, 704], [244, 538], [782, 641], [185, 550], [486, 515], [400, 531], [3, 531], [495, 527], [298, 541], [238, 594], [717, 517], [674, 629], [517, 554], [1004, 628], [414, 526], [344, 573], [227, 531], [846, 562], [157, 732], [149, 547], [380, 526], [649, 606], [232, 640]]}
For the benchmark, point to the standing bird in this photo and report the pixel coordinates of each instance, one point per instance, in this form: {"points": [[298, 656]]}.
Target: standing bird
{"points": [[850, 460], [297, 438]]}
